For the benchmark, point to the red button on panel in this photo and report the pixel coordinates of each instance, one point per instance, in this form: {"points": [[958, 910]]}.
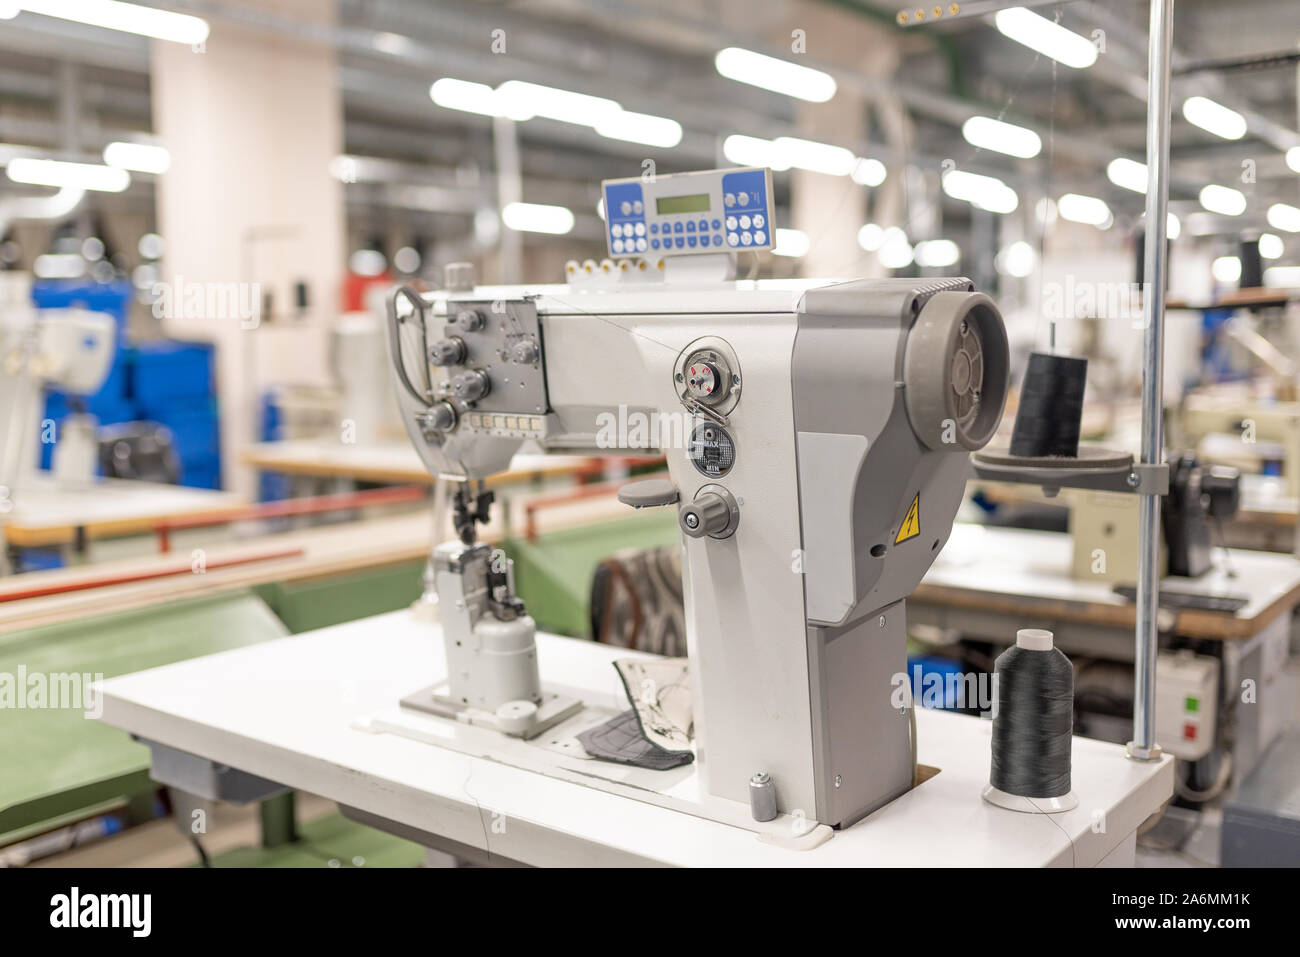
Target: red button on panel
{"points": [[1189, 732]]}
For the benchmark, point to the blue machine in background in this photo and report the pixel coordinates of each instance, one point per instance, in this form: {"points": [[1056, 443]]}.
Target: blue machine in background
{"points": [[168, 382]]}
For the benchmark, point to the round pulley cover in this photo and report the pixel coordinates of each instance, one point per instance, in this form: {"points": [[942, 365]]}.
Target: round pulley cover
{"points": [[955, 371]]}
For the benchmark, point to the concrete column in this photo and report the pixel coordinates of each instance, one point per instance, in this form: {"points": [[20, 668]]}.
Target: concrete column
{"points": [[249, 207], [831, 209]]}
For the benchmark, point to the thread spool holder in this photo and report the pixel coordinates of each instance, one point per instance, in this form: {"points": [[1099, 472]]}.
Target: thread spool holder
{"points": [[1094, 468]]}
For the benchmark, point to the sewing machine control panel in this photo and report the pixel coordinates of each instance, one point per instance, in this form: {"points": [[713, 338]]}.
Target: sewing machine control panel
{"points": [[688, 214]]}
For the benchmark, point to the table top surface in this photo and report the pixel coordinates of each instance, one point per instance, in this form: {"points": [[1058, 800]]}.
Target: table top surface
{"points": [[49, 512], [1017, 570], [386, 461], [287, 709]]}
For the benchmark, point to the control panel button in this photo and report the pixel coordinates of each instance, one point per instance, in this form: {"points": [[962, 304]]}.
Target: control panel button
{"points": [[744, 222], [743, 199], [638, 208], [640, 245], [690, 241], [704, 225], [625, 208], [731, 222], [654, 228], [681, 242], [730, 199], [746, 239], [759, 220], [677, 227], [616, 230], [618, 245], [690, 226], [760, 238], [639, 229], [717, 239], [733, 239], [717, 224], [654, 244]]}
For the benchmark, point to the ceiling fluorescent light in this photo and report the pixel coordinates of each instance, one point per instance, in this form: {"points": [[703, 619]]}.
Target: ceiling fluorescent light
{"points": [[990, 134], [1046, 37], [986, 192], [815, 157], [1223, 200], [520, 98], [1214, 118], [125, 17], [1130, 174], [56, 173], [138, 157], [779, 76], [754, 151], [640, 128], [1083, 209], [538, 218]]}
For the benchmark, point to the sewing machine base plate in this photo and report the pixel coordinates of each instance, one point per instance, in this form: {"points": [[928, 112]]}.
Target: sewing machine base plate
{"points": [[552, 709], [559, 754]]}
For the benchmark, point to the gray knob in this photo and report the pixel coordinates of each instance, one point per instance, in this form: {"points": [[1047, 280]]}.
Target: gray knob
{"points": [[524, 352], [471, 386], [441, 417], [709, 515], [458, 277], [447, 352], [469, 320]]}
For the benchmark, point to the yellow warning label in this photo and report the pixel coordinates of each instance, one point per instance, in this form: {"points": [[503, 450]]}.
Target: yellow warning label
{"points": [[912, 524]]}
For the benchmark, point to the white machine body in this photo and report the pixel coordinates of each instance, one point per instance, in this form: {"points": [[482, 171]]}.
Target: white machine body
{"points": [[68, 349], [816, 435]]}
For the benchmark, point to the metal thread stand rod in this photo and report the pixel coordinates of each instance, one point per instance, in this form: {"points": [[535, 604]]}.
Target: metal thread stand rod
{"points": [[1143, 746]]}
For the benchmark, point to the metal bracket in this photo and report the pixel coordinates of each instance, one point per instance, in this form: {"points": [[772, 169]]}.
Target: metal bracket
{"points": [[1132, 477], [1149, 479]]}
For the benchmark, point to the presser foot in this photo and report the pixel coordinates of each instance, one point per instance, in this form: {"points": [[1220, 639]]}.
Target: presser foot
{"points": [[519, 719]]}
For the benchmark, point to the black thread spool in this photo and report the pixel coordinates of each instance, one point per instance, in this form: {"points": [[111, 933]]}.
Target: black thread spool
{"points": [[1033, 725], [1051, 407]]}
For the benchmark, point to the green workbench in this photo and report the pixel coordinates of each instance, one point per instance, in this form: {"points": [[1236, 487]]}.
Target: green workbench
{"points": [[55, 761], [553, 574], [57, 764]]}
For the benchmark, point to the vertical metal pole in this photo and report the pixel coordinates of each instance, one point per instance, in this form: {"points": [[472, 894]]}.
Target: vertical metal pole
{"points": [[510, 189], [1143, 746]]}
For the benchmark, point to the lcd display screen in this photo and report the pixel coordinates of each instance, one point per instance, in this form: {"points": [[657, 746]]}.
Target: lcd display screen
{"points": [[695, 203]]}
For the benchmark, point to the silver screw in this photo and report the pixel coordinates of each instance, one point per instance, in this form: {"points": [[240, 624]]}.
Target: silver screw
{"points": [[838, 781], [881, 623], [1133, 480]]}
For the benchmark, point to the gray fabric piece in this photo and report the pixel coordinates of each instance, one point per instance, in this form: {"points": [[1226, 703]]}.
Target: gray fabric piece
{"points": [[620, 739]]}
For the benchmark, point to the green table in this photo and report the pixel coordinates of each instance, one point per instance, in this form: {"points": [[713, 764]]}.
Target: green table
{"points": [[55, 761]]}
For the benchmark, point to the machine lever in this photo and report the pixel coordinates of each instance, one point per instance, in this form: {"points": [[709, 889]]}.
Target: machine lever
{"points": [[648, 493]]}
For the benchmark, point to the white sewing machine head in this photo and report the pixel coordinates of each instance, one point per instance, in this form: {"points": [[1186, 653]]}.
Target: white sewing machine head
{"points": [[816, 435]]}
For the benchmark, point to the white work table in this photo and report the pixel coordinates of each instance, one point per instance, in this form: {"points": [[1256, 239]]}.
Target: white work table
{"points": [[1025, 574], [289, 710], [394, 462], [52, 512]]}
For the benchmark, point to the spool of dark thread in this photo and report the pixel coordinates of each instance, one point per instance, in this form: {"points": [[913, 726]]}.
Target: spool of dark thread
{"points": [[1252, 264], [1051, 407], [1033, 721]]}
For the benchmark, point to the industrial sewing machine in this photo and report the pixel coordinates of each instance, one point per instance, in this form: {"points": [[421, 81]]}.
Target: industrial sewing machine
{"points": [[70, 349], [817, 437]]}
